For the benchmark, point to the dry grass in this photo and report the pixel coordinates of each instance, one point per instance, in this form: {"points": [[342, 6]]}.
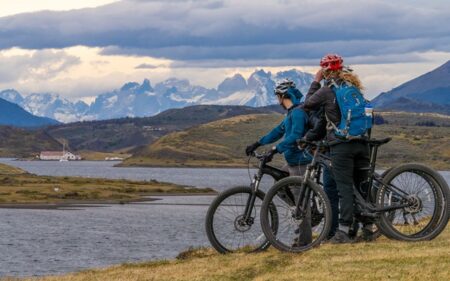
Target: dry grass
{"points": [[217, 144], [381, 260], [222, 143], [17, 186], [9, 170]]}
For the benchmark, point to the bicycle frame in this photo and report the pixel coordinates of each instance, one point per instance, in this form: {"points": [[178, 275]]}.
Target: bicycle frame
{"points": [[313, 172], [263, 169]]}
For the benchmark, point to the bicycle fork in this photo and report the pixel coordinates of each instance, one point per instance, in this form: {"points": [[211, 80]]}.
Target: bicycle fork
{"points": [[252, 198]]}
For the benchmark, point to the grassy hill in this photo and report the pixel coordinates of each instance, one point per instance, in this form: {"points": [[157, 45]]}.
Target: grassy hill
{"points": [[216, 144], [222, 143], [15, 142], [377, 261], [128, 133], [116, 136]]}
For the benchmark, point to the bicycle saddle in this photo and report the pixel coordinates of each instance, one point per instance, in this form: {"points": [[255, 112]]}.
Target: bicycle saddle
{"points": [[379, 142]]}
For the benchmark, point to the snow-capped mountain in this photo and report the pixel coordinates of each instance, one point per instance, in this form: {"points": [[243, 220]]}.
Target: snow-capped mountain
{"points": [[137, 100], [48, 105], [11, 96]]}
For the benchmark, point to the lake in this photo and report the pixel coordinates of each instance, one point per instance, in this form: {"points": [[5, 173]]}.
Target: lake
{"points": [[218, 179], [42, 242]]}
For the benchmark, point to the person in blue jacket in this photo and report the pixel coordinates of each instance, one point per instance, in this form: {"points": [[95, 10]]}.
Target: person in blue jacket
{"points": [[292, 128]]}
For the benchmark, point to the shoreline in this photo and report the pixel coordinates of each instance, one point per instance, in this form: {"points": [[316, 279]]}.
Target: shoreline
{"points": [[74, 204], [395, 259]]}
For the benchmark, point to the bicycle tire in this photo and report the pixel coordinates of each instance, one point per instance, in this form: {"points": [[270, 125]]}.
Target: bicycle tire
{"points": [[440, 215], [265, 208], [209, 222]]}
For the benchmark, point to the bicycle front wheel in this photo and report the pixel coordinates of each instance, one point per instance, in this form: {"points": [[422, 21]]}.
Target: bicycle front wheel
{"points": [[296, 232], [426, 195], [226, 226]]}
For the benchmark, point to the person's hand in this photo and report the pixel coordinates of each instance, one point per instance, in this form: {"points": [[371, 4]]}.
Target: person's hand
{"points": [[269, 155], [251, 148], [302, 145], [319, 76]]}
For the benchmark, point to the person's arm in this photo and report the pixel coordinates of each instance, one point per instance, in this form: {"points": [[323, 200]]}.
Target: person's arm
{"points": [[315, 98], [276, 134], [318, 124], [299, 120]]}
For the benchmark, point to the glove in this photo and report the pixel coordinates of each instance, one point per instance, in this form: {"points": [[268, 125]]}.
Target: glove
{"points": [[302, 146], [251, 148], [269, 155]]}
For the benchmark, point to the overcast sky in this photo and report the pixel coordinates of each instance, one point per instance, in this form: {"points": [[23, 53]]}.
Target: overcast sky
{"points": [[84, 47]]}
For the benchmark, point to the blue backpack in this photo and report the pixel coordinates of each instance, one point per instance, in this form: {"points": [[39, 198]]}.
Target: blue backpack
{"points": [[356, 112]]}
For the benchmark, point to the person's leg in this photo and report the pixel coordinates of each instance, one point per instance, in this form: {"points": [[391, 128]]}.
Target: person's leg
{"points": [[362, 160], [329, 185], [342, 159]]}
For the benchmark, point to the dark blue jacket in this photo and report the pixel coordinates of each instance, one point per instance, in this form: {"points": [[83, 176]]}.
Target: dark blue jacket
{"points": [[293, 127]]}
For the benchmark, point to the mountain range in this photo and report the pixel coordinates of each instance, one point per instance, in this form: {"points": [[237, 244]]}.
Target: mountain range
{"points": [[138, 100], [13, 115], [429, 92]]}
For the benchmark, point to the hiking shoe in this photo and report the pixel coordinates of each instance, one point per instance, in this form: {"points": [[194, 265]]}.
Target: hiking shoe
{"points": [[368, 234], [340, 238]]}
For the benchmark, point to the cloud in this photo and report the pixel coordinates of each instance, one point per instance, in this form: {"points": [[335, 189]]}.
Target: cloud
{"points": [[234, 30], [41, 64], [149, 66]]}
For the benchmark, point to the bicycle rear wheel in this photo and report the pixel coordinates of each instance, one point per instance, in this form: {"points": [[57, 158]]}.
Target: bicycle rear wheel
{"points": [[427, 194], [226, 227], [296, 233]]}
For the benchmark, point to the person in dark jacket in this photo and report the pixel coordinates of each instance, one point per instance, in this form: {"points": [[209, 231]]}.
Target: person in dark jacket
{"points": [[318, 131], [347, 156]]}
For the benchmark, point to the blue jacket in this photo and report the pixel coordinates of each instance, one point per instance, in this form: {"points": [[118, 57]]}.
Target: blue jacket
{"points": [[293, 127]]}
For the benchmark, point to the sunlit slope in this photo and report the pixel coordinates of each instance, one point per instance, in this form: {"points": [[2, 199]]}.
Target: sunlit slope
{"points": [[222, 143]]}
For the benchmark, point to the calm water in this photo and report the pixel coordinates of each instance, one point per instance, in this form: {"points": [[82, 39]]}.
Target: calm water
{"points": [[201, 177], [42, 242]]}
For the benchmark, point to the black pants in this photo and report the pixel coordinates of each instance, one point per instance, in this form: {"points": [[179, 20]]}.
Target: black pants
{"points": [[347, 159]]}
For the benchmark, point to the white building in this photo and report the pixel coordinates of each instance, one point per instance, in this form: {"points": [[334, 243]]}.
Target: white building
{"points": [[58, 155]]}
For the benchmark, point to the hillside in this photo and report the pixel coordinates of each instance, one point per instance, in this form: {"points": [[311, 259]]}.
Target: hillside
{"points": [[377, 261], [13, 115], [216, 144], [16, 142], [222, 143], [127, 133], [429, 92]]}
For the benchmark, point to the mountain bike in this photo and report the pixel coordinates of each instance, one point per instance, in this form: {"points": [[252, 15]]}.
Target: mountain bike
{"points": [[232, 221], [409, 203]]}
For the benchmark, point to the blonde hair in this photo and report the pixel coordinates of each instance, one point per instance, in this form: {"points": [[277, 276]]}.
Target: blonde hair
{"points": [[347, 76]]}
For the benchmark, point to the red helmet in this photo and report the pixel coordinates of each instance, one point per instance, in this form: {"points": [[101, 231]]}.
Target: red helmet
{"points": [[332, 62]]}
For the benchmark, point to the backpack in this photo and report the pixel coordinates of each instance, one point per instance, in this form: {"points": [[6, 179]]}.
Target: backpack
{"points": [[356, 112]]}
